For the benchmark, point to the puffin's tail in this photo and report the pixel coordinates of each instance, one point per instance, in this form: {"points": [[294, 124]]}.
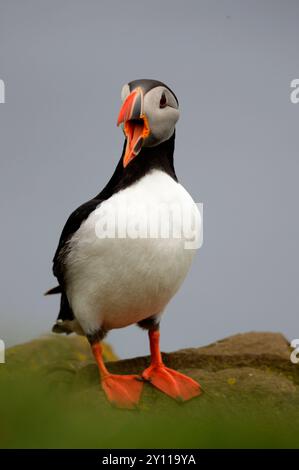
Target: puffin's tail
{"points": [[54, 290], [67, 327]]}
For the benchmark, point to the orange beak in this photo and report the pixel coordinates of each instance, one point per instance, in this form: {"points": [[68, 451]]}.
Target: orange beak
{"points": [[136, 127]]}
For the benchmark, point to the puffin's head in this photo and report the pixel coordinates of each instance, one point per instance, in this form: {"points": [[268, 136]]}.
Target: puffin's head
{"points": [[149, 113]]}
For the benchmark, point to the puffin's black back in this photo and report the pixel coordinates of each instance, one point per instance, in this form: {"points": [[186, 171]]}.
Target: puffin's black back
{"points": [[149, 158]]}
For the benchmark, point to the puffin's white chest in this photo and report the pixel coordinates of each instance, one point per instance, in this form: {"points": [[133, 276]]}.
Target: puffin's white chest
{"points": [[130, 256]]}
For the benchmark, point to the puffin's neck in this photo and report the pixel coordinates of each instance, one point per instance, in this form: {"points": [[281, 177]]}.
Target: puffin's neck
{"points": [[149, 158]]}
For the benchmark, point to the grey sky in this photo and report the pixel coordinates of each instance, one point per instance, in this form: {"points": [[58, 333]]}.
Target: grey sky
{"points": [[230, 63]]}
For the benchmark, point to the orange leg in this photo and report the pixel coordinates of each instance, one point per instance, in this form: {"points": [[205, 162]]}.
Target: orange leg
{"points": [[123, 391], [173, 383]]}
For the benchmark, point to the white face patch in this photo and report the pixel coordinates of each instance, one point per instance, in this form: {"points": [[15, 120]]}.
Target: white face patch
{"points": [[125, 91], [162, 120]]}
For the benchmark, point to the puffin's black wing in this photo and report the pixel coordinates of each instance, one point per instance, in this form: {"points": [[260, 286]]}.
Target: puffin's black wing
{"points": [[72, 225]]}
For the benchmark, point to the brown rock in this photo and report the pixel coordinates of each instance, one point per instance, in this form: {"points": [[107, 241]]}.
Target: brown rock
{"points": [[242, 366]]}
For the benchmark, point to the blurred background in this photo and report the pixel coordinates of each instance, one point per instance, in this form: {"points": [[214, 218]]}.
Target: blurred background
{"points": [[230, 63]]}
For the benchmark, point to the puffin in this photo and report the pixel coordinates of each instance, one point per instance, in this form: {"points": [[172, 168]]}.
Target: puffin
{"points": [[123, 254]]}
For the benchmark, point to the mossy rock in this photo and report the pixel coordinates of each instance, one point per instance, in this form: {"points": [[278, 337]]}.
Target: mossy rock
{"points": [[42, 351], [250, 397]]}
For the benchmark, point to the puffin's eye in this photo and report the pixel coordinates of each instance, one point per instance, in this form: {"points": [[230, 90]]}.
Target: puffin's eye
{"points": [[163, 100]]}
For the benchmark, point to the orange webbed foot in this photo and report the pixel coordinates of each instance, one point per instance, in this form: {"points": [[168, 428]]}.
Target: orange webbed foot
{"points": [[122, 391], [173, 383]]}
